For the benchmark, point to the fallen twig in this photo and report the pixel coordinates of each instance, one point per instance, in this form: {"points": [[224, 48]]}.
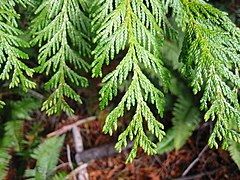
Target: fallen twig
{"points": [[195, 161], [64, 129], [76, 171], [69, 157], [77, 141], [82, 174], [52, 172], [99, 152], [198, 175]]}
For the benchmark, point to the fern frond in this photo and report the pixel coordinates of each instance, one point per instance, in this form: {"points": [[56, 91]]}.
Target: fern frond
{"points": [[185, 121], [63, 29], [234, 149], [13, 134], [60, 176], [18, 111], [4, 162], [167, 144], [136, 26], [10, 48], [22, 109], [185, 117], [47, 157], [211, 53]]}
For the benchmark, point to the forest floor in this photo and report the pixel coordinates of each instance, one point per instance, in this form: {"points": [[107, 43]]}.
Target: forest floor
{"points": [[194, 161]]}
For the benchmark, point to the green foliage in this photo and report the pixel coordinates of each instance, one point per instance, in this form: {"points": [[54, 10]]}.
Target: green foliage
{"points": [[11, 66], [178, 12], [46, 156], [60, 176], [61, 29], [140, 30], [210, 55], [186, 117], [167, 144], [185, 121], [13, 134], [133, 26], [17, 112], [139, 27]]}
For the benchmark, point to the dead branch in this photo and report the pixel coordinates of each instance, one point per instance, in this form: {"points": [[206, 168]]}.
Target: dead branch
{"points": [[66, 128], [196, 176], [76, 171], [82, 174], [99, 152], [195, 161], [69, 157]]}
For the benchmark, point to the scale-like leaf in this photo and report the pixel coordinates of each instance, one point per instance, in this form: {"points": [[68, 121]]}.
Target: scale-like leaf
{"points": [[61, 30], [135, 26]]}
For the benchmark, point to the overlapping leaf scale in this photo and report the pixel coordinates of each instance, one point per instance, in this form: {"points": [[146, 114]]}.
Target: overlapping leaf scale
{"points": [[65, 37], [116, 78], [112, 37], [10, 48], [78, 39], [107, 48], [131, 25], [212, 54], [178, 12], [100, 11], [149, 41]]}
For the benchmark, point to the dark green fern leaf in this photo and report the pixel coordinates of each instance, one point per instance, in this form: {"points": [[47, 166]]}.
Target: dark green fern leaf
{"points": [[13, 134], [4, 162], [185, 121], [234, 149], [60, 176], [167, 144], [46, 156], [18, 111]]}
